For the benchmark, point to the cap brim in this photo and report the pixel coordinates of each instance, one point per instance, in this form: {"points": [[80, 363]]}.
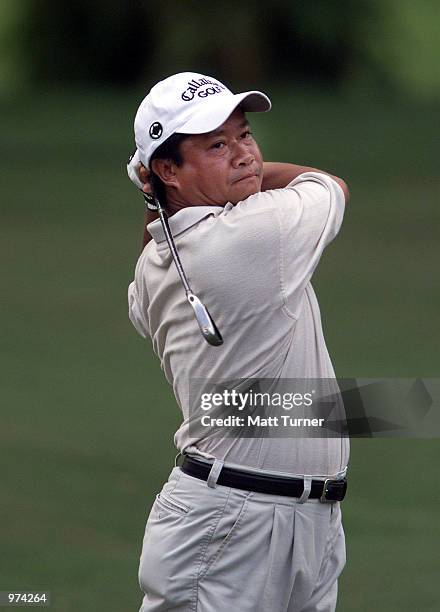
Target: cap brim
{"points": [[217, 110]]}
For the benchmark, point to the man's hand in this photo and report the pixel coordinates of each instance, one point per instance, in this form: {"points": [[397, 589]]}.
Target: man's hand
{"points": [[144, 176], [150, 215]]}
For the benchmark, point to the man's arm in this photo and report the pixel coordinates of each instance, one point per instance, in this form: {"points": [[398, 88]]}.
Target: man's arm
{"points": [[278, 175]]}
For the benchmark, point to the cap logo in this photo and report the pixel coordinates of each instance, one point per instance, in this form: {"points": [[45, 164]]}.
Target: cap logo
{"points": [[156, 130], [194, 87]]}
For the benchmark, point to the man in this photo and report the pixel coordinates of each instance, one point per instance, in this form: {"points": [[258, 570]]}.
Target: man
{"points": [[245, 523]]}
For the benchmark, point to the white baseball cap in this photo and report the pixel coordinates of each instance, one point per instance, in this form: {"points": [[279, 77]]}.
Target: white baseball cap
{"points": [[186, 103]]}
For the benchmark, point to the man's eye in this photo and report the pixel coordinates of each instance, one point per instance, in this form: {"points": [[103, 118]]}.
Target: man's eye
{"points": [[217, 145], [246, 134]]}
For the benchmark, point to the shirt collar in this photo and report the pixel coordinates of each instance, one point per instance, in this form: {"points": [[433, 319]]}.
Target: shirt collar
{"points": [[182, 220]]}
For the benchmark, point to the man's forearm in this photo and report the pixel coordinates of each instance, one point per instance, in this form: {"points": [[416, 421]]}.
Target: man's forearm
{"points": [[277, 175]]}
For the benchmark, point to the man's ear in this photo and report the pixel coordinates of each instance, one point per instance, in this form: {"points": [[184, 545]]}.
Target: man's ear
{"points": [[165, 170]]}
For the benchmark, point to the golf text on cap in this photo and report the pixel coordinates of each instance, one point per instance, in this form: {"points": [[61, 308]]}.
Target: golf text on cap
{"points": [[195, 84]]}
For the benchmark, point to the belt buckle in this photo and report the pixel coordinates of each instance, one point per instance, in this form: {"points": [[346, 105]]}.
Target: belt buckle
{"points": [[337, 494]]}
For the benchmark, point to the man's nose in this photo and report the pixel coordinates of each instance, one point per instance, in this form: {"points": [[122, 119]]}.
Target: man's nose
{"points": [[242, 155]]}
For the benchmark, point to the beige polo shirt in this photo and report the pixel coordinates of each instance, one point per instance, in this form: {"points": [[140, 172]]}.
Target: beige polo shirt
{"points": [[251, 265]]}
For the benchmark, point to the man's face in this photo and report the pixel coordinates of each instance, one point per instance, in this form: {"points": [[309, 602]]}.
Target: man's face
{"points": [[218, 167]]}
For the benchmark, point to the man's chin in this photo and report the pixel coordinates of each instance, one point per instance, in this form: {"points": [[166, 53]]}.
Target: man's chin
{"points": [[244, 191]]}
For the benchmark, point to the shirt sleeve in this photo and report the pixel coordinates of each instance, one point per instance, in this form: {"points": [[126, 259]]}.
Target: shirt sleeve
{"points": [[310, 216], [135, 311]]}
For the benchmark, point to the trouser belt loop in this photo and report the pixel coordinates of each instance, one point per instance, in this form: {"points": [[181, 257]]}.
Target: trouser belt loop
{"points": [[307, 488], [176, 462], [214, 473]]}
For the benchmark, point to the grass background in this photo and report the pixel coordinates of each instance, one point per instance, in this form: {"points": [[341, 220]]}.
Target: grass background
{"points": [[86, 417]]}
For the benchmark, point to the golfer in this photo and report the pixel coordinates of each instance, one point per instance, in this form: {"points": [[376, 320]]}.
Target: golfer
{"points": [[222, 291]]}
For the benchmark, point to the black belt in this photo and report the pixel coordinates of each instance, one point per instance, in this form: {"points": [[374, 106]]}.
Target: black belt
{"points": [[328, 490]]}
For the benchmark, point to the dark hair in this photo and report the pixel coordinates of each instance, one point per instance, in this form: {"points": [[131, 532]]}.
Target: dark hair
{"points": [[170, 149]]}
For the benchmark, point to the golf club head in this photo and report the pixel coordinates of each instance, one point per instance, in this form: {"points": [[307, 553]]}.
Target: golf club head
{"points": [[207, 326]]}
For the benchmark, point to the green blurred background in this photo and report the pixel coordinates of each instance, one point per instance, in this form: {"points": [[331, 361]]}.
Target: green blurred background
{"points": [[87, 418]]}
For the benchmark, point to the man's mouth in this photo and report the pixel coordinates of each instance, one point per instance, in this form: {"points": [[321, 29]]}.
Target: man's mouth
{"points": [[246, 177]]}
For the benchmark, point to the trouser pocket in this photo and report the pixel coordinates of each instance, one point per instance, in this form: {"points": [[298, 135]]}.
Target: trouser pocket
{"points": [[179, 530], [167, 503], [224, 532]]}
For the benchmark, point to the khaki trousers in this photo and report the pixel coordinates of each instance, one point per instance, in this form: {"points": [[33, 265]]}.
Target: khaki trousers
{"points": [[218, 549]]}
